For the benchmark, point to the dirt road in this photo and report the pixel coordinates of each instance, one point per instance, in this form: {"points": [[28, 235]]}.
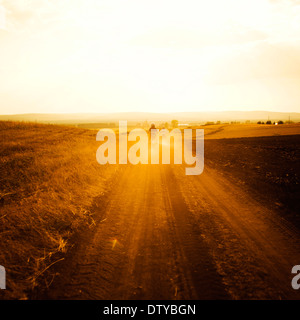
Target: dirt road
{"points": [[160, 234]]}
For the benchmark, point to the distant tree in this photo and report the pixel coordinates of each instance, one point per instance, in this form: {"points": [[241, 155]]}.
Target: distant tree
{"points": [[174, 123], [259, 122], [262, 122], [166, 125], [280, 122], [269, 122]]}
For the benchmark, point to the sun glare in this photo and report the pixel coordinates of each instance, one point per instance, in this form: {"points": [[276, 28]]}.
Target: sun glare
{"points": [[159, 56]]}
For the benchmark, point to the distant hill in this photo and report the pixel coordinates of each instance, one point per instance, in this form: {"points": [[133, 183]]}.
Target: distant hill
{"points": [[77, 118]]}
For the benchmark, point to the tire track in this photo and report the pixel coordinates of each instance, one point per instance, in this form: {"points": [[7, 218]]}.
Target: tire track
{"points": [[145, 246]]}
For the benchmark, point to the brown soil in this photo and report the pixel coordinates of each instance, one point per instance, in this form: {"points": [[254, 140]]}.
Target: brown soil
{"points": [[164, 235]]}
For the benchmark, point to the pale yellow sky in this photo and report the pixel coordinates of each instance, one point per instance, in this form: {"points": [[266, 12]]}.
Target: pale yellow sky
{"points": [[158, 55]]}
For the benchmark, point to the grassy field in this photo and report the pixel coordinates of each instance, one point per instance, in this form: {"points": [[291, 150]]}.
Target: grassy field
{"points": [[227, 131], [49, 178]]}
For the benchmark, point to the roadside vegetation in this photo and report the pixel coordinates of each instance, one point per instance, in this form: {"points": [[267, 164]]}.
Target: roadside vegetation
{"points": [[49, 178]]}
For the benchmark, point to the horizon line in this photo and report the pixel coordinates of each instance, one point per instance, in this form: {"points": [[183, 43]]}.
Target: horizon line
{"points": [[142, 112]]}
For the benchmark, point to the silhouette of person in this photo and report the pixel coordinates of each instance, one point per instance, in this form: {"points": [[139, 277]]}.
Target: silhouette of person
{"points": [[152, 127]]}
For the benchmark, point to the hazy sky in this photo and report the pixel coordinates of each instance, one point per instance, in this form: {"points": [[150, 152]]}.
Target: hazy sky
{"points": [[158, 55]]}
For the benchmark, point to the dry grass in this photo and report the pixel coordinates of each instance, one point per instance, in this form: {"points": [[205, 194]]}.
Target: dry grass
{"points": [[49, 177]]}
